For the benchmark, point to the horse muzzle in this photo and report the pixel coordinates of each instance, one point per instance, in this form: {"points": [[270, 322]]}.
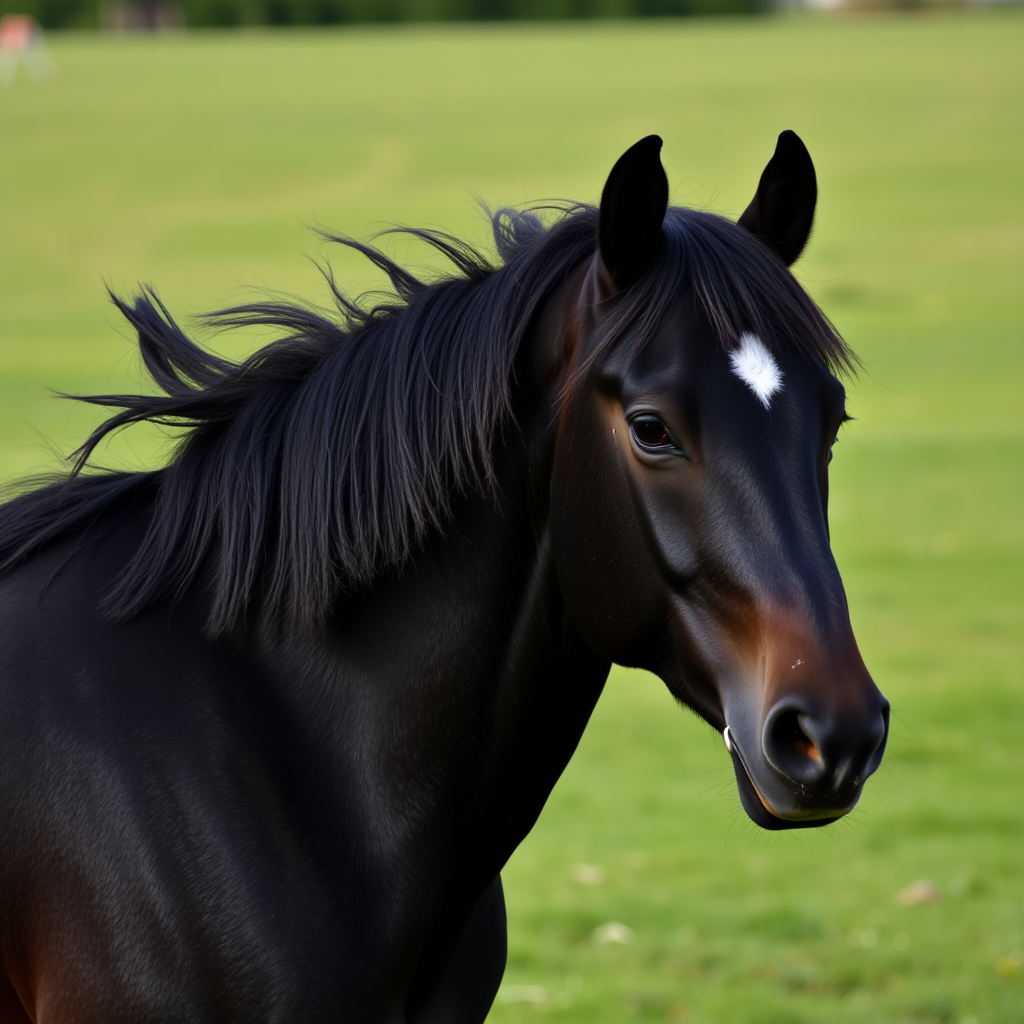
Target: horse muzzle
{"points": [[804, 763]]}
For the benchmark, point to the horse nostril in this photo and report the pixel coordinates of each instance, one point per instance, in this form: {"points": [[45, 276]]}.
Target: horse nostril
{"points": [[790, 746], [788, 730], [880, 739]]}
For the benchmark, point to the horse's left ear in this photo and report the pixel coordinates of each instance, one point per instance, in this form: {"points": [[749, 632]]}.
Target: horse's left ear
{"points": [[782, 210], [633, 206]]}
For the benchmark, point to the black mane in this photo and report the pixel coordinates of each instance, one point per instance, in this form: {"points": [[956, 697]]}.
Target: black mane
{"points": [[329, 455]]}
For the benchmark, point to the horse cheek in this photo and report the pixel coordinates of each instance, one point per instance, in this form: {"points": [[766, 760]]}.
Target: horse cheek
{"points": [[612, 592]]}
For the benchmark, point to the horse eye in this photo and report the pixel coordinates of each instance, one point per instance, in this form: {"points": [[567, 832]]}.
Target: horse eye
{"points": [[651, 434]]}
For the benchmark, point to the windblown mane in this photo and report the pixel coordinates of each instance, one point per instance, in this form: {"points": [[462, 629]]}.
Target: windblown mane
{"points": [[329, 455]]}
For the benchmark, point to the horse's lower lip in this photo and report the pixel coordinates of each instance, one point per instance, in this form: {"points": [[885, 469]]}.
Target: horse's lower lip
{"points": [[757, 807]]}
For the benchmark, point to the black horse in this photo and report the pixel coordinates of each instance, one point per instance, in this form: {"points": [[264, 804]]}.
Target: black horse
{"points": [[273, 718]]}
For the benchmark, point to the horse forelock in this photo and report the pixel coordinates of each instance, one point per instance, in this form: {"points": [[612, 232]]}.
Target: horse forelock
{"points": [[330, 454], [742, 287]]}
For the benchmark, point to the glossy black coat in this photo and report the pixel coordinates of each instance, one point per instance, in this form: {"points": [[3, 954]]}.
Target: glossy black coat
{"points": [[308, 824]]}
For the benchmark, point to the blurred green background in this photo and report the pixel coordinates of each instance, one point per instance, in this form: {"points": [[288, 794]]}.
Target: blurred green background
{"points": [[197, 162]]}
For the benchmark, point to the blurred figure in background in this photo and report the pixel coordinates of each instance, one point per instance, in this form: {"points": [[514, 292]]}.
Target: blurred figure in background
{"points": [[21, 42]]}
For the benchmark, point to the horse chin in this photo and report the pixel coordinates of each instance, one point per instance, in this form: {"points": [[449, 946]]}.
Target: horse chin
{"points": [[759, 812]]}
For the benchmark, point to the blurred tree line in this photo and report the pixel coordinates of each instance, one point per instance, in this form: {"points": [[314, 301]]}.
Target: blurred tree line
{"points": [[227, 13]]}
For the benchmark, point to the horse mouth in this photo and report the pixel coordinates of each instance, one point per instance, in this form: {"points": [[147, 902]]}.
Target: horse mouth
{"points": [[760, 811]]}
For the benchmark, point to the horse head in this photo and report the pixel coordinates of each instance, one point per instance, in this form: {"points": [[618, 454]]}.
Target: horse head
{"points": [[690, 484]]}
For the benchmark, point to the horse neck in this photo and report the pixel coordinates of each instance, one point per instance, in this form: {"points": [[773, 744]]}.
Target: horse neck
{"points": [[460, 685]]}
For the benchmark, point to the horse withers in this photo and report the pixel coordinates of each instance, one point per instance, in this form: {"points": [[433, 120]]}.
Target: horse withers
{"points": [[273, 717]]}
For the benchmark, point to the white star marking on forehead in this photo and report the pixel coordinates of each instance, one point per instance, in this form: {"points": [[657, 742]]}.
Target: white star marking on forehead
{"points": [[756, 367]]}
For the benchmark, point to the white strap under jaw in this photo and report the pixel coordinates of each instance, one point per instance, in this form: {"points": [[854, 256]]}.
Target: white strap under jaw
{"points": [[728, 739]]}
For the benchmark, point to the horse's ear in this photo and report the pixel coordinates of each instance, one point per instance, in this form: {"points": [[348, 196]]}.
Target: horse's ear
{"points": [[782, 210], [633, 206]]}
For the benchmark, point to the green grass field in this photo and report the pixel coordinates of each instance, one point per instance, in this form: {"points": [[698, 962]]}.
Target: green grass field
{"points": [[198, 161]]}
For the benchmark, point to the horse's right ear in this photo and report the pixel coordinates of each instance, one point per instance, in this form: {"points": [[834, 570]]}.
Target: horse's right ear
{"points": [[633, 206]]}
